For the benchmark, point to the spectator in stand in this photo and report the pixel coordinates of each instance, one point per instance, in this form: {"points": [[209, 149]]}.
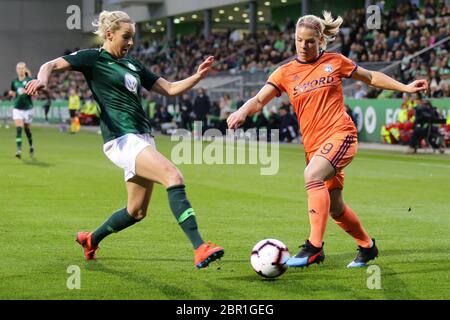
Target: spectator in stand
{"points": [[185, 112], [288, 123], [360, 92], [201, 108]]}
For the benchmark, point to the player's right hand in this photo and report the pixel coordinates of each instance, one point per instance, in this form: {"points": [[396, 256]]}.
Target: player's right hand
{"points": [[33, 87], [236, 119]]}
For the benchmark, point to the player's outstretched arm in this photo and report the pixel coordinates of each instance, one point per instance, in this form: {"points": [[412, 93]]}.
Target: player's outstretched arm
{"points": [[172, 89], [252, 106], [380, 80], [58, 64]]}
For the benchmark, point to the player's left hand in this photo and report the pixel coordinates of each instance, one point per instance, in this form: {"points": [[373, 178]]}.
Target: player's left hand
{"points": [[417, 86], [33, 87], [204, 68]]}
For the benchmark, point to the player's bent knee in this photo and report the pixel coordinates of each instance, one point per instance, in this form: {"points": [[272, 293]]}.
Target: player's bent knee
{"points": [[138, 214], [174, 177], [311, 175], [335, 214]]}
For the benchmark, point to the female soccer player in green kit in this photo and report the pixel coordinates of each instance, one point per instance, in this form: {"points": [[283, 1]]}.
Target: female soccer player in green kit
{"points": [[23, 107], [115, 82]]}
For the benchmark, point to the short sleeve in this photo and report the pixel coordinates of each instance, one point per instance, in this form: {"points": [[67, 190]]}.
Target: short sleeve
{"points": [[348, 67], [148, 78], [275, 80], [83, 59]]}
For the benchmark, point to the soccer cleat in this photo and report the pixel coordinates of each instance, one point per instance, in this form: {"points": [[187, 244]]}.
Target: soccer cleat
{"points": [[31, 151], [18, 155], [207, 253], [364, 255], [309, 254], [85, 240]]}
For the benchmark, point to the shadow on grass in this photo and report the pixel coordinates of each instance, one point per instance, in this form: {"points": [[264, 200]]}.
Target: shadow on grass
{"points": [[393, 287], [170, 291], [37, 163]]}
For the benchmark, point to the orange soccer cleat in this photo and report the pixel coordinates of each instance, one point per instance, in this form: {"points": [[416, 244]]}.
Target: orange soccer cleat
{"points": [[85, 240], [207, 253]]}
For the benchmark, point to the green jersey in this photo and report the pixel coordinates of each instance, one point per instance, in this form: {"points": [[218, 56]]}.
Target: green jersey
{"points": [[115, 85], [22, 101]]}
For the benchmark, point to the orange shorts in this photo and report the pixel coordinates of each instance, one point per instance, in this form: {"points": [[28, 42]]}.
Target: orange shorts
{"points": [[340, 152]]}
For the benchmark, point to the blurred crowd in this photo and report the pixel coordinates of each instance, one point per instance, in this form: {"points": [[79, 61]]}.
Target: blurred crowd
{"points": [[405, 30], [234, 51], [213, 115]]}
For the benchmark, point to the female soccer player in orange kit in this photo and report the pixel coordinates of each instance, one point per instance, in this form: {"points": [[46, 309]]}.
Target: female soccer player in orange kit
{"points": [[313, 82]]}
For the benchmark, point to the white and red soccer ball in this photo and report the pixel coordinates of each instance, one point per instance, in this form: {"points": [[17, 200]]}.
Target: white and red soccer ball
{"points": [[269, 257]]}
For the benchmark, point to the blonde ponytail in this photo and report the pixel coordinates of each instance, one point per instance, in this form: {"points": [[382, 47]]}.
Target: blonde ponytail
{"points": [[110, 20], [326, 27]]}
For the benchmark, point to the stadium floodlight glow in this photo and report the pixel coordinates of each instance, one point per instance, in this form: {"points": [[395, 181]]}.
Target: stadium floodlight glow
{"points": [[261, 18], [221, 11], [153, 30], [247, 20], [230, 17], [244, 15], [163, 29], [176, 21], [260, 13], [267, 3], [194, 16], [217, 19], [181, 18], [236, 9], [283, 1], [158, 23]]}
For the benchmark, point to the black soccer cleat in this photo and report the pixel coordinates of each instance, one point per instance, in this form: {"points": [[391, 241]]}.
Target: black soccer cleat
{"points": [[364, 255], [309, 254], [31, 151], [18, 155]]}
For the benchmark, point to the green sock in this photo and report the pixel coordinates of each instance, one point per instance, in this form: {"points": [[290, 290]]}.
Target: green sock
{"points": [[119, 220], [185, 215], [19, 138]]}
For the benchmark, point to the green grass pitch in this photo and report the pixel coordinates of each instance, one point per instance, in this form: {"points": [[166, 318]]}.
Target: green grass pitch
{"points": [[403, 201]]}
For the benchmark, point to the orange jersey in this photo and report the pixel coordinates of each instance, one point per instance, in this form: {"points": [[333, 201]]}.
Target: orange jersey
{"points": [[315, 91]]}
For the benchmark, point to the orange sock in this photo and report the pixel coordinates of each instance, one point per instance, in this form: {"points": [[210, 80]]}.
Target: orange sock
{"points": [[351, 224], [318, 208]]}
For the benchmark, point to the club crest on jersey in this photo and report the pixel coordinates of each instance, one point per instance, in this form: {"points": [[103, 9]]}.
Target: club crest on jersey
{"points": [[132, 67], [328, 68], [131, 82]]}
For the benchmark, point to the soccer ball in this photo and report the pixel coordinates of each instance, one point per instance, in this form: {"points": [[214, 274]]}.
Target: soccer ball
{"points": [[268, 258]]}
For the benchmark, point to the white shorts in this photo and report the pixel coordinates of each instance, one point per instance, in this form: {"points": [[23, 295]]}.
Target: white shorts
{"points": [[124, 150], [25, 115]]}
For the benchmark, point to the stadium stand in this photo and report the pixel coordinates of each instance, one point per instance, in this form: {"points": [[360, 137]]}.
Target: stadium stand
{"points": [[406, 30]]}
